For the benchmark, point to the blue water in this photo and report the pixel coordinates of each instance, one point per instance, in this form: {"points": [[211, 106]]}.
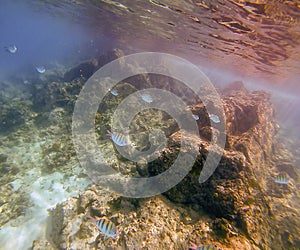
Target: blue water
{"points": [[42, 39]]}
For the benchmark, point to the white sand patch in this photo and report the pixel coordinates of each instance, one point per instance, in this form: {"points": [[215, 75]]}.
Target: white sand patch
{"points": [[44, 192]]}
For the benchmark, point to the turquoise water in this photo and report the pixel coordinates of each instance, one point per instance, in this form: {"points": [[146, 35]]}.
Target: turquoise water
{"points": [[256, 42]]}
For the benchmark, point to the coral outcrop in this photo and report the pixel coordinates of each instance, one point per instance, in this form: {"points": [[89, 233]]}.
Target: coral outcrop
{"points": [[239, 207]]}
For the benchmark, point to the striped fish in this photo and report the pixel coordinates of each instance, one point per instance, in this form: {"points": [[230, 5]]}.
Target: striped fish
{"points": [[118, 138], [203, 247], [105, 226], [281, 179]]}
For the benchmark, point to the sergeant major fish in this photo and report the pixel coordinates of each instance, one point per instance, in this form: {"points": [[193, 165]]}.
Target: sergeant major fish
{"points": [[118, 138], [105, 226], [281, 179]]}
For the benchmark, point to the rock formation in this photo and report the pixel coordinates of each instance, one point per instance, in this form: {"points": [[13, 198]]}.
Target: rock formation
{"points": [[239, 207]]}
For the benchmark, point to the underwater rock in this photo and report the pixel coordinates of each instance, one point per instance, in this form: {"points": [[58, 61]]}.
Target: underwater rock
{"points": [[109, 56], [147, 223], [3, 158], [57, 115], [221, 227], [88, 68], [83, 70], [289, 168], [243, 165], [13, 111], [11, 211], [10, 117], [242, 172], [233, 209], [154, 223], [41, 245], [47, 97], [238, 189], [15, 106], [232, 88]]}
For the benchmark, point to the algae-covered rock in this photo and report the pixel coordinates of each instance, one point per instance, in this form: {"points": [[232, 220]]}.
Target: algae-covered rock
{"points": [[3, 158], [11, 117], [238, 207], [221, 227], [15, 106], [224, 195], [142, 224], [84, 69], [88, 68], [12, 211], [47, 97], [13, 114]]}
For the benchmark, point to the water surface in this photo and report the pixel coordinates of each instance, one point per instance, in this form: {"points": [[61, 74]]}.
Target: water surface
{"points": [[257, 42]]}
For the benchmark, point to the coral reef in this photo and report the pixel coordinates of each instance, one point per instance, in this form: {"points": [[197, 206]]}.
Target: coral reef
{"points": [[239, 207], [87, 68], [15, 107]]}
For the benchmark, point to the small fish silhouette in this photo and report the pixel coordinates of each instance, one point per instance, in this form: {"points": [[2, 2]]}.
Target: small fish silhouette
{"points": [[11, 49], [214, 118], [114, 92], [118, 138], [196, 117], [40, 69], [281, 179], [147, 98]]}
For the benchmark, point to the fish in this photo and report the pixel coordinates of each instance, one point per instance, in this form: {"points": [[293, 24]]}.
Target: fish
{"points": [[118, 138], [203, 247], [196, 117], [11, 49], [40, 69], [147, 98], [105, 226], [214, 118], [281, 179], [114, 92]]}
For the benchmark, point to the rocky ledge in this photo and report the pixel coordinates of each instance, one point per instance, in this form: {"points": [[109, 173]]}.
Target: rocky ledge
{"points": [[239, 207]]}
